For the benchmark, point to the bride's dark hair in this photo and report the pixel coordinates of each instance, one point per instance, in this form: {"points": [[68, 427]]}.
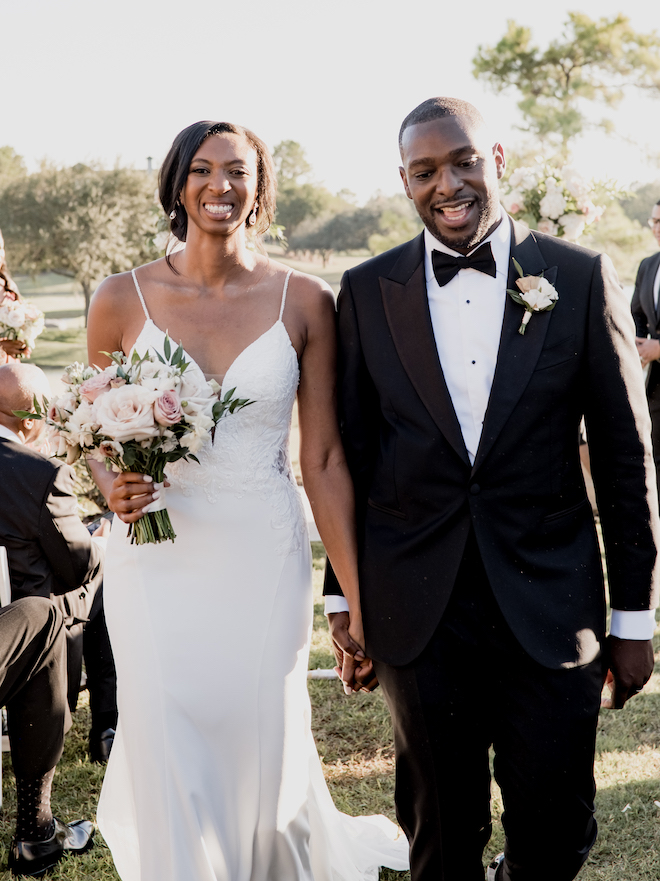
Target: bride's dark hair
{"points": [[174, 172]]}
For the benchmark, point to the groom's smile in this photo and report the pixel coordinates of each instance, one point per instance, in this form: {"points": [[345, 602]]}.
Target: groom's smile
{"points": [[451, 174]]}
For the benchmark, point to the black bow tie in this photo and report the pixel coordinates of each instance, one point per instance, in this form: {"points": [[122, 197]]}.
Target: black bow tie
{"points": [[446, 266]]}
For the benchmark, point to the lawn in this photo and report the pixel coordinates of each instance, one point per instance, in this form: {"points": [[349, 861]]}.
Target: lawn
{"points": [[354, 740]]}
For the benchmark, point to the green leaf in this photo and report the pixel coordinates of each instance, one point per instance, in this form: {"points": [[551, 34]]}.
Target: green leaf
{"points": [[167, 348], [519, 268]]}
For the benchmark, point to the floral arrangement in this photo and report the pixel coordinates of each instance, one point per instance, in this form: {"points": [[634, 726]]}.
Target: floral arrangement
{"points": [[557, 201], [20, 320], [137, 415]]}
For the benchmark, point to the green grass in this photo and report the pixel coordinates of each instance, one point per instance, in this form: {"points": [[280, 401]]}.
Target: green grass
{"points": [[56, 349], [354, 740]]}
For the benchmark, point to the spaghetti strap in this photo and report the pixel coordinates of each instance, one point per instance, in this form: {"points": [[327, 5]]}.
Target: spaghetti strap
{"points": [[286, 285], [144, 305]]}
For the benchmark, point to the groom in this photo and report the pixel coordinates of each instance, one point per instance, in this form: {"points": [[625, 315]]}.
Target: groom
{"points": [[481, 582]]}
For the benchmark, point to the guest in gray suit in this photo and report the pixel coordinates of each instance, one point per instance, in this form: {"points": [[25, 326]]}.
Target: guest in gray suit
{"points": [[647, 327]]}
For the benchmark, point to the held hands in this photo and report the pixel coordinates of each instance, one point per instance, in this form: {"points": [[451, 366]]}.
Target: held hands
{"points": [[630, 668], [353, 667], [130, 494], [648, 350]]}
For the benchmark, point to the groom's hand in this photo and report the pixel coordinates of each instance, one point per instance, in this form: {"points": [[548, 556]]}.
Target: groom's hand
{"points": [[353, 667], [630, 668]]}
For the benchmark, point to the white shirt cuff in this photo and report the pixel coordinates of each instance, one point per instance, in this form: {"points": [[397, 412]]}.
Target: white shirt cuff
{"points": [[335, 603], [633, 625]]}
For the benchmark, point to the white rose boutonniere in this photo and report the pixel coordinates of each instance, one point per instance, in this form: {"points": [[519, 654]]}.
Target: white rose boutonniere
{"points": [[535, 293]]}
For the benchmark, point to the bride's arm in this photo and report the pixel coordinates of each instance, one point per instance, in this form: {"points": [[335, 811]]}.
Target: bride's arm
{"points": [[126, 494], [323, 464]]}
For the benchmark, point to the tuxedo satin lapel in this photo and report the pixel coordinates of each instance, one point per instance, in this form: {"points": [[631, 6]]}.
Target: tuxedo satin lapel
{"points": [[649, 305], [407, 312], [518, 353]]}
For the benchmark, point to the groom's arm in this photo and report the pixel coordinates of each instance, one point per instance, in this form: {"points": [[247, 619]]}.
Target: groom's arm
{"points": [[619, 432], [358, 418]]}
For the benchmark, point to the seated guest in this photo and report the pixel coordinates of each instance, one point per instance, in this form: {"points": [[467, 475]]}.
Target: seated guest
{"points": [[51, 553], [33, 686]]}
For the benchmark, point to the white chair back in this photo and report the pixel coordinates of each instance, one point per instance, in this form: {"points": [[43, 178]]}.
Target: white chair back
{"points": [[5, 586]]}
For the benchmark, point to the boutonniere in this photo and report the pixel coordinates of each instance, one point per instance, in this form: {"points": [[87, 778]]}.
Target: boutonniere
{"points": [[535, 293]]}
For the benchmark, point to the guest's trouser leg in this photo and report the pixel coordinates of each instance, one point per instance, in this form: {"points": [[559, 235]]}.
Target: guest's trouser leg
{"points": [[33, 684], [473, 686], [100, 666]]}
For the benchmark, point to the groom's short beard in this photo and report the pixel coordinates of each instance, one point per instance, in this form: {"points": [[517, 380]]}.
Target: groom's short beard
{"points": [[489, 214]]}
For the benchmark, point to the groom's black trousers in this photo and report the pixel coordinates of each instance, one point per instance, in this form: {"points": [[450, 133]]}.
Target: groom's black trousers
{"points": [[474, 686]]}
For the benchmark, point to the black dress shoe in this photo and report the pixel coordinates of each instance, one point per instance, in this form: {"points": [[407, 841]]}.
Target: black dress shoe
{"points": [[100, 745], [34, 858]]}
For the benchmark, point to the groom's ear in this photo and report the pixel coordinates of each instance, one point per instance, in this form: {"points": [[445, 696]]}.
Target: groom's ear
{"points": [[402, 172], [500, 161]]}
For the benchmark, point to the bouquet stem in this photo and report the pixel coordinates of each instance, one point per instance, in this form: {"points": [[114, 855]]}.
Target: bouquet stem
{"points": [[153, 528]]}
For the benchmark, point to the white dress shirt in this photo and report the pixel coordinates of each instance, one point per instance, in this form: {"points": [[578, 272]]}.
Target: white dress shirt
{"points": [[467, 315], [656, 288], [10, 435]]}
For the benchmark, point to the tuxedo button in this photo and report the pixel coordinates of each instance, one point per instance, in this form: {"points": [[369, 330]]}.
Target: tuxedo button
{"points": [[475, 489]]}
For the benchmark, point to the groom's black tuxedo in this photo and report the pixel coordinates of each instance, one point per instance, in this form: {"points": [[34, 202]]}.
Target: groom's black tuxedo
{"points": [[51, 553], [439, 538], [524, 497], [647, 323]]}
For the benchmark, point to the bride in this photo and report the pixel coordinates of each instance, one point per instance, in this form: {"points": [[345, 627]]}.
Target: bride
{"points": [[214, 775]]}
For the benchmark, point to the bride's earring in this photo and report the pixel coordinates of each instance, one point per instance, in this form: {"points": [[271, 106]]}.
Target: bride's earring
{"points": [[252, 217], [172, 213]]}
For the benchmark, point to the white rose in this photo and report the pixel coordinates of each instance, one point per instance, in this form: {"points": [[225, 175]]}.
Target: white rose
{"points": [[14, 317], [524, 177], [537, 292], [127, 413], [573, 225], [547, 226], [574, 182], [197, 395], [553, 204], [82, 425], [514, 201]]}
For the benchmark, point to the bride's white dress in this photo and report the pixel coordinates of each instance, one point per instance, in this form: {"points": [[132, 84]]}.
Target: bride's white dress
{"points": [[214, 775]]}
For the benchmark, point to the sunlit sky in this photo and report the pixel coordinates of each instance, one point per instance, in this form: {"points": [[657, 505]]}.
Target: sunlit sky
{"points": [[115, 81]]}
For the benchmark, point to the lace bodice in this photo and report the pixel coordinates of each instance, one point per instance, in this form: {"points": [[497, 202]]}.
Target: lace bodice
{"points": [[250, 449]]}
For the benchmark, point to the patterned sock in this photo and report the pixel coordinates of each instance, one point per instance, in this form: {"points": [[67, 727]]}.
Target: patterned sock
{"points": [[34, 818]]}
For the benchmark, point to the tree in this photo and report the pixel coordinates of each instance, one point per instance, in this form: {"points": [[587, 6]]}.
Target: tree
{"points": [[12, 166], [298, 200], [398, 222], [290, 162], [639, 203], [84, 222], [385, 221], [592, 61]]}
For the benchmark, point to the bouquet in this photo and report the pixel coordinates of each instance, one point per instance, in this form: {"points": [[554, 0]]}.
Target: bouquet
{"points": [[556, 201], [138, 414], [20, 320]]}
